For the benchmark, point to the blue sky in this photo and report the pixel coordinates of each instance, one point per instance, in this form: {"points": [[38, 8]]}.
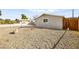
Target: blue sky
{"points": [[16, 13]]}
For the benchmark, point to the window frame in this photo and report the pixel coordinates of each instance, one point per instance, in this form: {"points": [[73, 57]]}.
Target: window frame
{"points": [[45, 20]]}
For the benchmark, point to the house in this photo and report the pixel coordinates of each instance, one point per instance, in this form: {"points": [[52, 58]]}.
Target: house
{"points": [[49, 21]]}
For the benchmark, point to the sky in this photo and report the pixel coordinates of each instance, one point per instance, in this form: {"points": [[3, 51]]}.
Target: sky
{"points": [[31, 13]]}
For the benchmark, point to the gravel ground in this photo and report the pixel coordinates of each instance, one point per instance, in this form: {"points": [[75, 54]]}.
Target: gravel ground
{"points": [[36, 38], [27, 38], [69, 41]]}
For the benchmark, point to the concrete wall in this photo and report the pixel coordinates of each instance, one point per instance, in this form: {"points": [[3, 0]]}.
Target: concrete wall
{"points": [[53, 22]]}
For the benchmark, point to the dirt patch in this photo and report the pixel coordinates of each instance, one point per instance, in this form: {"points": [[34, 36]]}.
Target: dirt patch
{"points": [[69, 41], [27, 38]]}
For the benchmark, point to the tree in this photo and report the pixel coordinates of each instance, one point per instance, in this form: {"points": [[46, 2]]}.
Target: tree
{"points": [[17, 20], [23, 16], [8, 21]]}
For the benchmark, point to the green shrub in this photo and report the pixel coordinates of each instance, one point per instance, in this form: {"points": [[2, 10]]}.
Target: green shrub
{"points": [[7, 21]]}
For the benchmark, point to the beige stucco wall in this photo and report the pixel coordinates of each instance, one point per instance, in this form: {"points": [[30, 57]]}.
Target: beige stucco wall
{"points": [[53, 22]]}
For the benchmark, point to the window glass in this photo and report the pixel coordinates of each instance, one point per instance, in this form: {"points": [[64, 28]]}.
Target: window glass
{"points": [[45, 20]]}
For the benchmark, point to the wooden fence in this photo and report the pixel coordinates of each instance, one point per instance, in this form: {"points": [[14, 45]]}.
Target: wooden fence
{"points": [[71, 23]]}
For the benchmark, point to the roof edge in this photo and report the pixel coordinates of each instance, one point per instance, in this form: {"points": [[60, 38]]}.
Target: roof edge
{"points": [[48, 14]]}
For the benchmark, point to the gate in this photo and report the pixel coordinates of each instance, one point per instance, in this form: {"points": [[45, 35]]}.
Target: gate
{"points": [[65, 23]]}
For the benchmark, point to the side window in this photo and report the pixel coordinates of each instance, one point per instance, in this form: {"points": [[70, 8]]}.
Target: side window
{"points": [[45, 20]]}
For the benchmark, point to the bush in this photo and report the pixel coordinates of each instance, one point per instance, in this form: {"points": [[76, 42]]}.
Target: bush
{"points": [[17, 20], [7, 21]]}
